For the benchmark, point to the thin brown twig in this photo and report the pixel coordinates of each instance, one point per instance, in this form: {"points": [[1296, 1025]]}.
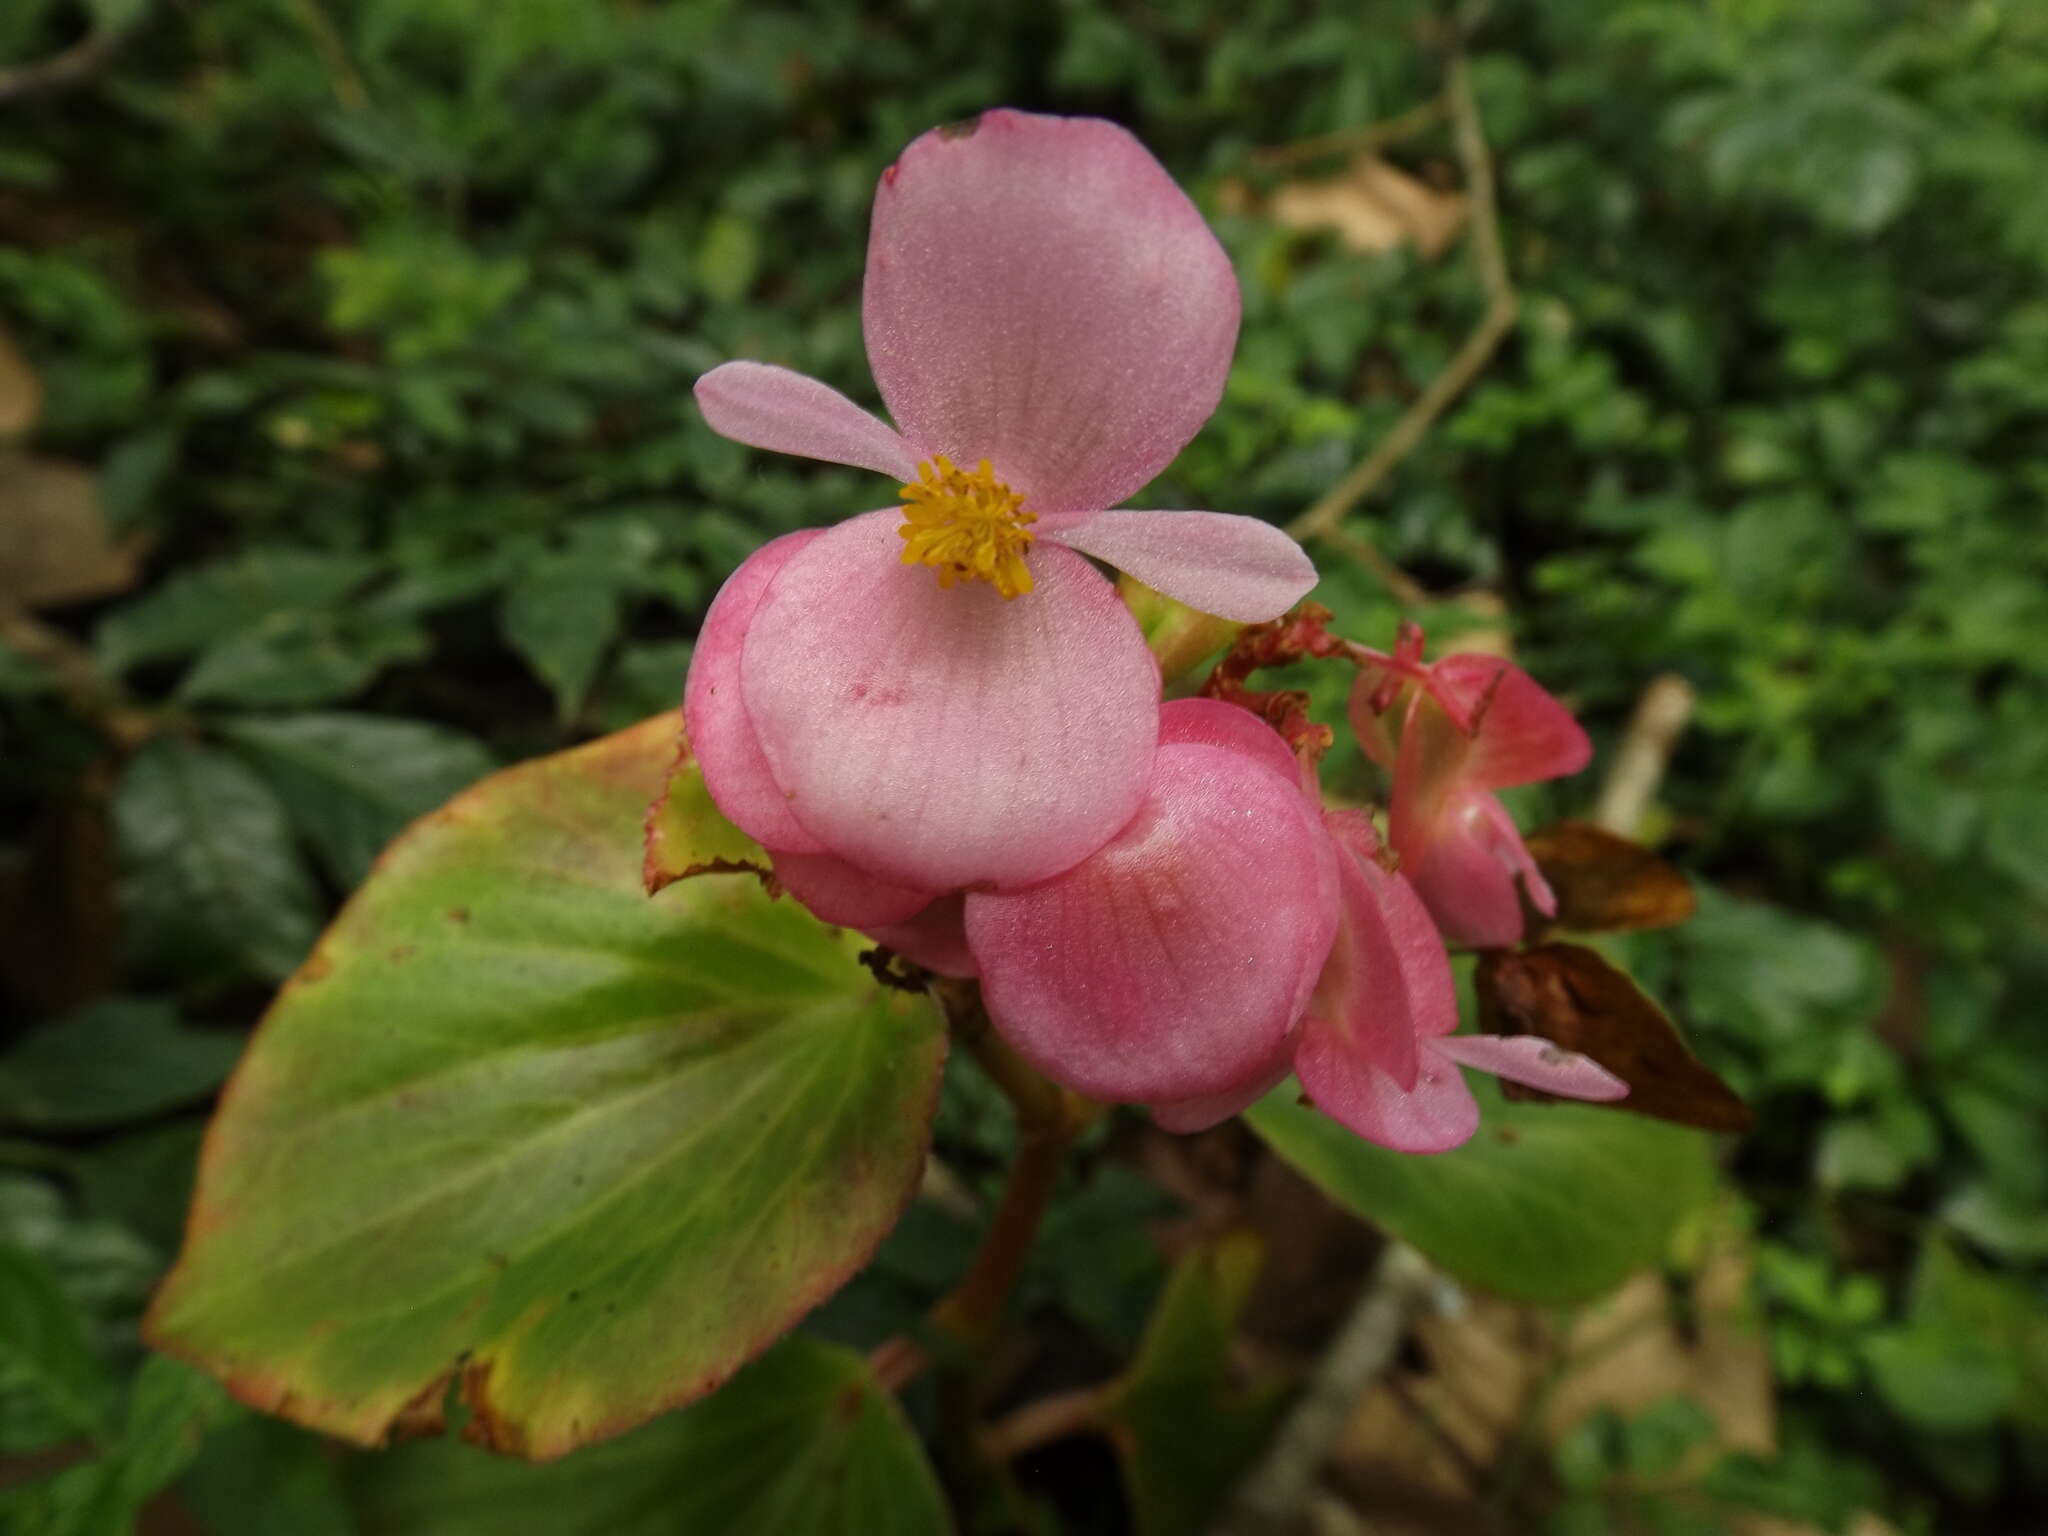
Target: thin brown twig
{"points": [[72, 66], [1490, 256], [1360, 140], [1041, 1423]]}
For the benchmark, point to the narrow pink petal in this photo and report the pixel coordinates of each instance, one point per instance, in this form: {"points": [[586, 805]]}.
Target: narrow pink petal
{"points": [[944, 738], [1039, 293], [1211, 722], [1171, 965], [787, 412], [935, 938], [721, 733], [1234, 567], [1524, 735], [1437, 1114], [1505, 838], [842, 893], [1464, 878], [1184, 1117], [1535, 1061]]}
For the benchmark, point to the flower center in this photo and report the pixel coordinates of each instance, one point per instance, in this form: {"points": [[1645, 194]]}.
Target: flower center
{"points": [[967, 525]]}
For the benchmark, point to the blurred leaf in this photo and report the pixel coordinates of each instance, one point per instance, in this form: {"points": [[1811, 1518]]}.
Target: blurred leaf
{"points": [[352, 782], [561, 615], [802, 1440], [54, 545], [636, 1139], [114, 1061], [1183, 1427], [52, 1384], [211, 880], [1998, 1314], [1992, 1219], [197, 607], [1548, 1204], [1605, 883], [1946, 1379], [259, 1476], [301, 660]]}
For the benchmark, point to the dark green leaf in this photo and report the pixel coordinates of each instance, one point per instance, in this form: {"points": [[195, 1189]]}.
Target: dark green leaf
{"points": [[52, 1384], [118, 1060]]}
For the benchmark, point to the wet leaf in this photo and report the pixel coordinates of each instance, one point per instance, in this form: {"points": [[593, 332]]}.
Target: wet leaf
{"points": [[514, 1120], [802, 1441], [1567, 993], [1605, 883]]}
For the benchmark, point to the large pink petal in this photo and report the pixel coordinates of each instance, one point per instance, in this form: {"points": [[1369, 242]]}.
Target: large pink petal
{"points": [[1212, 722], [941, 738], [1538, 1062], [842, 893], [787, 412], [1234, 567], [1039, 293], [935, 938], [1524, 734], [1435, 1115], [1184, 1117], [1466, 875], [721, 733], [1171, 964]]}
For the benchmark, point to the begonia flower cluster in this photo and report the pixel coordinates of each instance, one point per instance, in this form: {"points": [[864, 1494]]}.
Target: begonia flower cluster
{"points": [[947, 731]]}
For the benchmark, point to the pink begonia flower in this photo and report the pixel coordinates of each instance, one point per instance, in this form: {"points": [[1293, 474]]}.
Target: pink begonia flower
{"points": [[1049, 322], [1468, 725]]}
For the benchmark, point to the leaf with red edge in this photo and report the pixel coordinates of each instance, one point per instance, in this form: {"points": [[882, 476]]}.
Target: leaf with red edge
{"points": [[1605, 883], [1567, 993], [686, 834], [515, 1123]]}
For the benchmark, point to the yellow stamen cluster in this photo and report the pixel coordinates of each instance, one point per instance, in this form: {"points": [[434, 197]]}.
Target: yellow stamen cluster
{"points": [[968, 525]]}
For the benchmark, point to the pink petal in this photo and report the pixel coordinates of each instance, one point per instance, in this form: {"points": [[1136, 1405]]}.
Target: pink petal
{"points": [[935, 938], [1535, 1061], [943, 738], [1437, 1114], [787, 412], [721, 733], [842, 893], [1211, 722], [1524, 736], [1234, 567], [1172, 964], [1184, 1117], [1466, 874], [1039, 293]]}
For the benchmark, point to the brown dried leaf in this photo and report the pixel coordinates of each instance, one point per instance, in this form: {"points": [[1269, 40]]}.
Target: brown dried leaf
{"points": [[1567, 993], [54, 546], [1606, 883], [1372, 207]]}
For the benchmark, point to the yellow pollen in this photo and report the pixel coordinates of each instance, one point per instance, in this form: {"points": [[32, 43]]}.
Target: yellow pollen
{"points": [[968, 525]]}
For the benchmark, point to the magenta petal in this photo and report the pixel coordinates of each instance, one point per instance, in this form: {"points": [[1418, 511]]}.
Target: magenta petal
{"points": [[1387, 986], [839, 892], [935, 938], [944, 738], [1437, 1114], [1039, 293], [721, 733], [1172, 964], [1212, 722], [1535, 1061], [1466, 874], [787, 412], [1184, 1117], [1234, 567], [1524, 737]]}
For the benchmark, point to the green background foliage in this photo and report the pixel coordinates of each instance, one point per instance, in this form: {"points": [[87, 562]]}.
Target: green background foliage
{"points": [[375, 321]]}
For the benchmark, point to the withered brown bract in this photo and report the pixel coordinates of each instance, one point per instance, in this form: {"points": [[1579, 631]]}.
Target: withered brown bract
{"points": [[1605, 883], [1568, 993]]}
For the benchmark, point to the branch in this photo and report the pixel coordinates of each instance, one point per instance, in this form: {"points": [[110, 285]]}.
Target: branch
{"points": [[1041, 1423], [1355, 140], [1639, 763], [72, 67], [1490, 257]]}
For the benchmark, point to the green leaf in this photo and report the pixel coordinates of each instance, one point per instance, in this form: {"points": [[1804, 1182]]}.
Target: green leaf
{"points": [[211, 873], [1183, 1428], [52, 1384], [119, 1060], [687, 835], [561, 616], [352, 782], [516, 1120], [1944, 1378], [1548, 1203], [802, 1441], [199, 607], [299, 660], [262, 1477]]}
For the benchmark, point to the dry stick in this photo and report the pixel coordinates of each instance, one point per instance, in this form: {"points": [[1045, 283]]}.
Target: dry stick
{"points": [[1040, 1423], [1645, 751], [74, 66], [1284, 1481], [1337, 503], [1356, 140]]}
